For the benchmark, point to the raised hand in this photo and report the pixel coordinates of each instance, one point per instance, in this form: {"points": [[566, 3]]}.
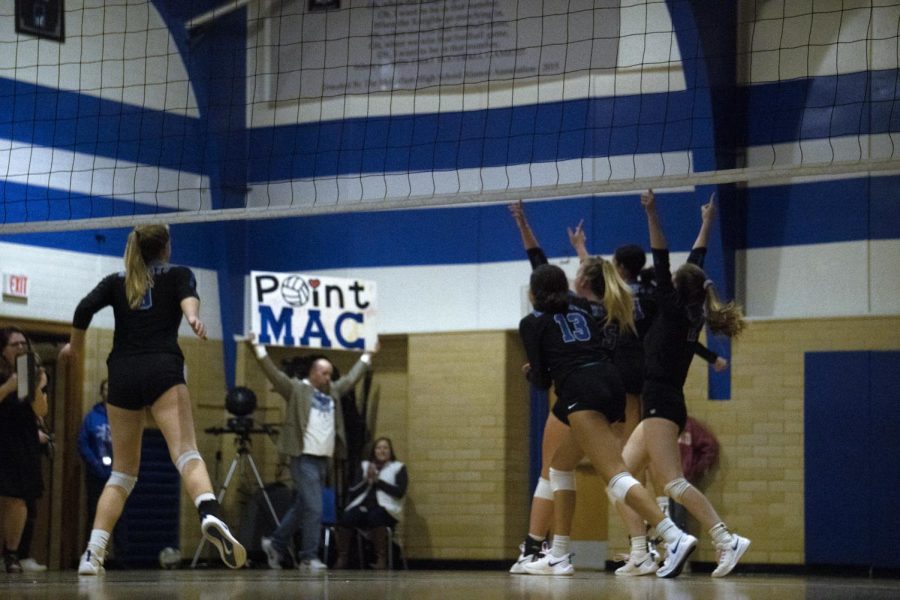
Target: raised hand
{"points": [[578, 240], [648, 200], [708, 210]]}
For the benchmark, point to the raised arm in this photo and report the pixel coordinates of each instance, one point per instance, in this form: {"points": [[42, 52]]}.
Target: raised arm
{"points": [[707, 218], [657, 237], [578, 240], [279, 380], [517, 210]]}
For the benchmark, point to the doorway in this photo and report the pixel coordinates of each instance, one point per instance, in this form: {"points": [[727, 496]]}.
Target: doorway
{"points": [[55, 540]]}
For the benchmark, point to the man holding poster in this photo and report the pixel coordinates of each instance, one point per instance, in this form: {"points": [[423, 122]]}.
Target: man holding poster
{"points": [[312, 432]]}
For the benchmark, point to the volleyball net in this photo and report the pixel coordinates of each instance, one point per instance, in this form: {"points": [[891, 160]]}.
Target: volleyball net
{"points": [[114, 113]]}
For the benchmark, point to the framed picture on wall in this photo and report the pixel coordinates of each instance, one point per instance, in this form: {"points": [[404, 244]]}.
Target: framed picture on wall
{"points": [[43, 18]]}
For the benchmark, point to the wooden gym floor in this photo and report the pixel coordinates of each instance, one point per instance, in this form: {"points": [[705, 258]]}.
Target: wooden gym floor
{"points": [[419, 585]]}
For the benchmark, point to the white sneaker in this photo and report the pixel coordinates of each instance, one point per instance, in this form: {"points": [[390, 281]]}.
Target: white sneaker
{"points": [[91, 564], [677, 556], [216, 532], [273, 556], [547, 564], [313, 565], [29, 565], [518, 567], [729, 555], [644, 565]]}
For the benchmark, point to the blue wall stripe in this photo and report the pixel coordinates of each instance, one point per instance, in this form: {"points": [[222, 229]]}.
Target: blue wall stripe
{"points": [[822, 212], [77, 122], [488, 138], [857, 103], [821, 107]]}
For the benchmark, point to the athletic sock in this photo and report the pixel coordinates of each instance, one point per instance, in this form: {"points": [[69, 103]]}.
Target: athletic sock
{"points": [[663, 503], [533, 544], [560, 546], [720, 534], [208, 506], [668, 530], [638, 546], [98, 542]]}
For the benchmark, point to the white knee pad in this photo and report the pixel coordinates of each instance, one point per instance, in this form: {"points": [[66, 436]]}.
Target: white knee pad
{"points": [[562, 480], [185, 458], [122, 480], [620, 484], [676, 488], [544, 489]]}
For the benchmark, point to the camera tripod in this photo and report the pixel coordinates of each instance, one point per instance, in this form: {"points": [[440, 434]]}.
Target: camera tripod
{"points": [[243, 455]]}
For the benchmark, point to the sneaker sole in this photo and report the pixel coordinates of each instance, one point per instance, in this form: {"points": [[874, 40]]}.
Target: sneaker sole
{"points": [[546, 574], [680, 566], [92, 572], [637, 573], [742, 548], [232, 552]]}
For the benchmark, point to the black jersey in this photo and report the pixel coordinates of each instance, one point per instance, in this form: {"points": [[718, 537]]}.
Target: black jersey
{"points": [[672, 338], [153, 326], [559, 343]]}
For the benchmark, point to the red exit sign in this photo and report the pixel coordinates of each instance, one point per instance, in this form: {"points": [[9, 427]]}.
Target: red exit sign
{"points": [[15, 285]]}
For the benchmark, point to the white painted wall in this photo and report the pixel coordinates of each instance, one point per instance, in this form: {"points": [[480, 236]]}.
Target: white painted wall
{"points": [[58, 280]]}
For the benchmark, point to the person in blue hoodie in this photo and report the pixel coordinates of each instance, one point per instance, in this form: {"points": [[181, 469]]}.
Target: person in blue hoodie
{"points": [[95, 447]]}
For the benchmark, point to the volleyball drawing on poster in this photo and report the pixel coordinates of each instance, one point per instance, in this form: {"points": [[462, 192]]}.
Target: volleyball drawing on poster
{"points": [[311, 311]]}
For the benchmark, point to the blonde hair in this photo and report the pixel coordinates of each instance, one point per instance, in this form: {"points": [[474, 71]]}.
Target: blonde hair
{"points": [[605, 282], [723, 318], [146, 243]]}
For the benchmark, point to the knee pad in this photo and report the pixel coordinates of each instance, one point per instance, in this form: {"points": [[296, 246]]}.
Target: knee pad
{"points": [[185, 458], [122, 480], [620, 484], [676, 488], [562, 481], [544, 489]]}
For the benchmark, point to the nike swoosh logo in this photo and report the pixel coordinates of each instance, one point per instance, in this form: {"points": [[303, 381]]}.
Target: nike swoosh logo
{"points": [[553, 564], [675, 549]]}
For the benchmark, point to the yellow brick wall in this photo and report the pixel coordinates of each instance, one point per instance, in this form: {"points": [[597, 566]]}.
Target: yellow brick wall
{"points": [[467, 446]]}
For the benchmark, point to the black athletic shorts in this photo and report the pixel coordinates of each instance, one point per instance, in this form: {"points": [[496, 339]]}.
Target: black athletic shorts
{"points": [[631, 367], [664, 400], [139, 380], [596, 387]]}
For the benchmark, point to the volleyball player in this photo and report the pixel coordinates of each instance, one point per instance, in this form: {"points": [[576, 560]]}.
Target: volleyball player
{"points": [[146, 368], [568, 346], [686, 301]]}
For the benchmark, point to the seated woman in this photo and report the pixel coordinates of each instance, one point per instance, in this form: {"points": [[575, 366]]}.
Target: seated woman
{"points": [[377, 503]]}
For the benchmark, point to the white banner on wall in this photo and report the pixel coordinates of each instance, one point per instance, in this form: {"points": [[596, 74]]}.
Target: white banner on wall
{"points": [[371, 46], [311, 311]]}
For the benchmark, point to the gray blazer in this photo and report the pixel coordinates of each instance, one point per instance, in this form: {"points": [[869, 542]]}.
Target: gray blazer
{"points": [[299, 396]]}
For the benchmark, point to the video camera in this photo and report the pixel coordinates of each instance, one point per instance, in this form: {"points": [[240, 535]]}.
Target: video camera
{"points": [[241, 402]]}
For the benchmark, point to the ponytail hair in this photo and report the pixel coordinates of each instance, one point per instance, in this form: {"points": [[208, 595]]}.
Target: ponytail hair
{"points": [[146, 243], [695, 289], [549, 289], [605, 281], [724, 318]]}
